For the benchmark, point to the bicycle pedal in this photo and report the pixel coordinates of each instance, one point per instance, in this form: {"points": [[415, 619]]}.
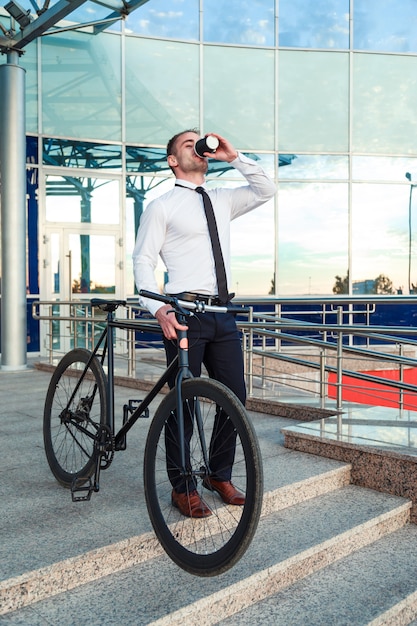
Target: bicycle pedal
{"points": [[133, 405], [81, 485], [131, 408]]}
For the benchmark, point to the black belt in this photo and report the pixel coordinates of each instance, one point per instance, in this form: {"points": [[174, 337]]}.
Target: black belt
{"points": [[190, 296]]}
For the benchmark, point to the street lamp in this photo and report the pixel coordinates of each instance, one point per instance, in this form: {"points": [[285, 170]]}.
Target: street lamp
{"points": [[412, 185]]}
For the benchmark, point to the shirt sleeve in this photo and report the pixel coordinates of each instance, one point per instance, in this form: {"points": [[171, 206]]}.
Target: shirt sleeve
{"points": [[259, 190]]}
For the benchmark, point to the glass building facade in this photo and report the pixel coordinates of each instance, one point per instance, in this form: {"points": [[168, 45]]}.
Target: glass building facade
{"points": [[323, 93]]}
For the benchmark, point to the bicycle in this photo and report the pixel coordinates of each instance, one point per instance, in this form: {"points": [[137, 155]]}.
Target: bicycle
{"points": [[80, 441]]}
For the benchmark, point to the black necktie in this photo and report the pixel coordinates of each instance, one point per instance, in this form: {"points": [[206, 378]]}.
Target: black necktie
{"points": [[215, 242]]}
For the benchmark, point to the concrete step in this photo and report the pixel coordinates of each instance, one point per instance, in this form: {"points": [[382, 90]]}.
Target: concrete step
{"points": [[303, 478], [374, 586], [97, 563], [290, 544]]}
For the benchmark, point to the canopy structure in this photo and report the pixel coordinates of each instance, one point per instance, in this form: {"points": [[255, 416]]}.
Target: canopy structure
{"points": [[24, 25]]}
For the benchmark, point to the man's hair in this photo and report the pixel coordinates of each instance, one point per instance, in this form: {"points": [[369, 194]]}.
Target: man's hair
{"points": [[172, 141]]}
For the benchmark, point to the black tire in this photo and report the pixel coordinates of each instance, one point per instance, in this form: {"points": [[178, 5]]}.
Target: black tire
{"points": [[208, 546], [70, 423]]}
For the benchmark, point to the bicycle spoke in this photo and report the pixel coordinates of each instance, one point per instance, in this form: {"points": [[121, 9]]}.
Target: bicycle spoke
{"points": [[212, 414]]}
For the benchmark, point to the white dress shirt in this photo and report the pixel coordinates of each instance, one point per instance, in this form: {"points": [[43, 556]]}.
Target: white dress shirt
{"points": [[174, 226]]}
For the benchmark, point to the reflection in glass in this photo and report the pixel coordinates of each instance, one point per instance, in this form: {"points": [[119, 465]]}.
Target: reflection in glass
{"points": [[319, 24], [160, 100], [54, 263], [310, 166], [176, 19], [366, 168], [82, 200], [31, 149], [93, 263], [380, 234], [146, 160], [250, 22], [92, 12], [84, 154], [239, 95], [312, 238], [384, 104], [253, 246], [313, 111], [82, 85], [385, 25], [30, 62]]}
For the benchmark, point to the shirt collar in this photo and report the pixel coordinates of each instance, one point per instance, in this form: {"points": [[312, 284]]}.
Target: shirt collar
{"points": [[186, 183]]}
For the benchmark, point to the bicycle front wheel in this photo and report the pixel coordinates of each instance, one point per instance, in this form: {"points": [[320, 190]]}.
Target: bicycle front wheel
{"points": [[211, 545], [75, 408]]}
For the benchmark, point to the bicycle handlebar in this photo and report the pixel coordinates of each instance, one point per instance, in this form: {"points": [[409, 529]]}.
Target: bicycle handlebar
{"points": [[197, 306]]}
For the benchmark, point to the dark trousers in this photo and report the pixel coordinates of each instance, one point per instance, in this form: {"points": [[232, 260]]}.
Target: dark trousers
{"points": [[215, 342]]}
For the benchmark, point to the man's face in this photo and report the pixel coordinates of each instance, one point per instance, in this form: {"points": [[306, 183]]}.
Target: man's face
{"points": [[184, 159]]}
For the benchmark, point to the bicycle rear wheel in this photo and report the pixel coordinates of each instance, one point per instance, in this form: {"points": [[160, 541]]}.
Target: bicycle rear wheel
{"points": [[211, 545], [75, 409]]}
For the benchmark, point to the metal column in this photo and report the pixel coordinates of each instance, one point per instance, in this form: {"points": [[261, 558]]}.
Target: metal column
{"points": [[13, 214]]}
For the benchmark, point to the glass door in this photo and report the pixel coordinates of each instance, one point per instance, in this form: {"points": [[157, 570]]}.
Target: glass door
{"points": [[80, 266], [82, 252]]}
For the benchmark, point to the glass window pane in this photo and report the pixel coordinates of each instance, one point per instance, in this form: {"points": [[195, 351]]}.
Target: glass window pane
{"points": [[239, 95], [177, 19], [384, 104], [309, 166], [84, 154], [385, 25], [82, 86], [54, 263], [93, 263], [82, 200], [92, 12], [320, 24], [253, 251], [314, 97], [313, 237], [31, 149], [160, 100], [147, 160], [30, 63], [380, 234], [249, 22], [385, 169]]}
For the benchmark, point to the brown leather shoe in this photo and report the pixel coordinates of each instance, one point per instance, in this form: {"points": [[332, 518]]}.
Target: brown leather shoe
{"points": [[190, 504], [226, 490]]}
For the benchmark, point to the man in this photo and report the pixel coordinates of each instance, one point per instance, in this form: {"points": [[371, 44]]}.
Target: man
{"points": [[175, 227]]}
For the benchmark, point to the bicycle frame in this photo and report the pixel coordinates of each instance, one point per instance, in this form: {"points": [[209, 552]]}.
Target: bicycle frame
{"points": [[106, 342], [198, 432]]}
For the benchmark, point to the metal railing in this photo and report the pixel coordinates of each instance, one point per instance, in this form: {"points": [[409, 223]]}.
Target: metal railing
{"points": [[308, 345]]}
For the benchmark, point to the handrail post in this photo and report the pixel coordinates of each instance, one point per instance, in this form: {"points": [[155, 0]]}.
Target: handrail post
{"points": [[250, 354], [131, 363], [263, 362], [51, 336], [401, 378], [339, 359], [322, 381]]}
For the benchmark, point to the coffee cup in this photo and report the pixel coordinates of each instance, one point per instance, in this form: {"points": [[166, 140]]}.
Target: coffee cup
{"points": [[206, 144]]}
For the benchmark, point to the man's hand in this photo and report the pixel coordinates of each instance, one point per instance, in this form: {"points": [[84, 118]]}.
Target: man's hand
{"points": [[168, 322], [225, 151]]}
